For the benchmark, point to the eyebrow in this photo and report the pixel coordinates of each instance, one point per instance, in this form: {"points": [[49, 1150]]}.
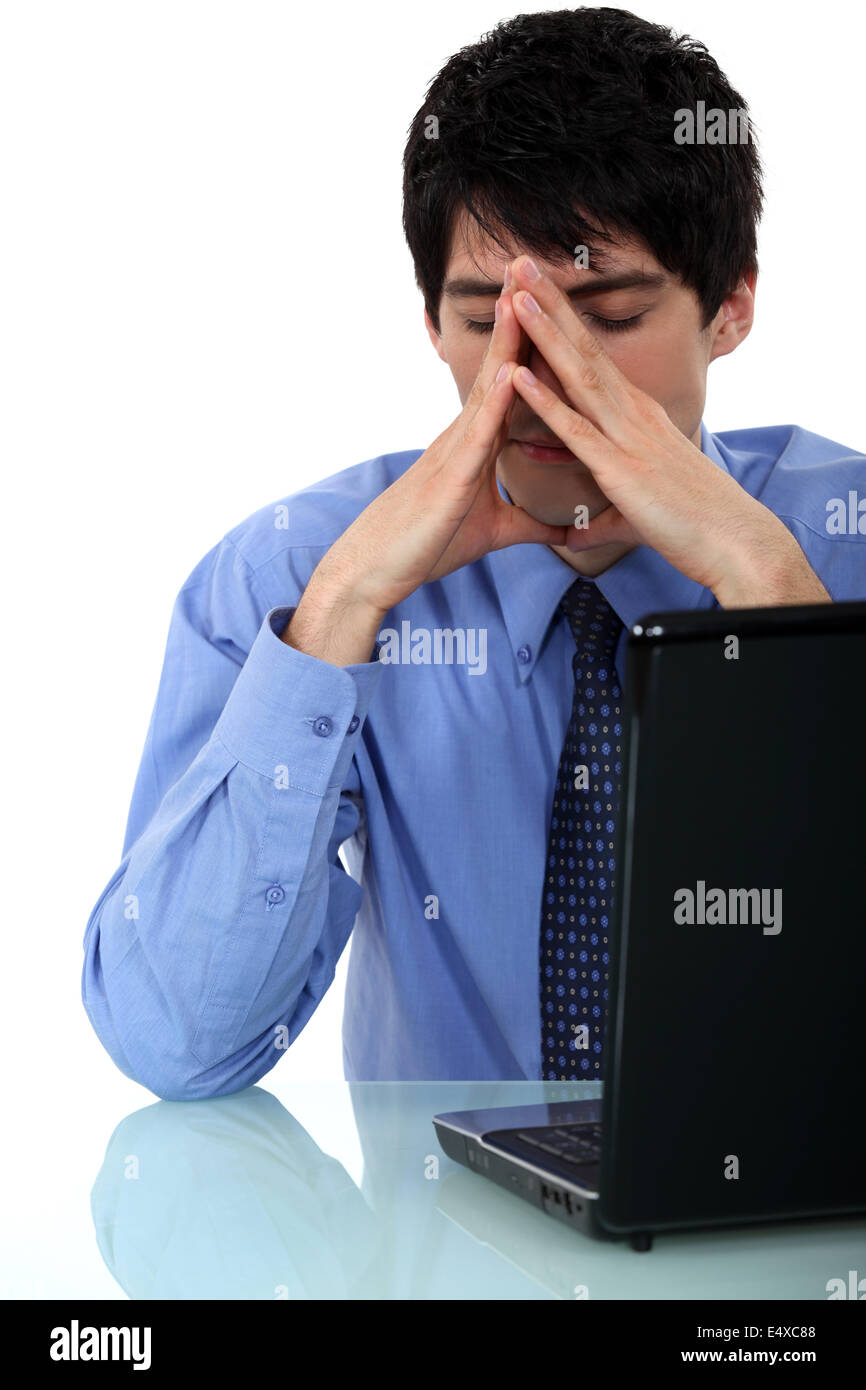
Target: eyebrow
{"points": [[464, 287]]}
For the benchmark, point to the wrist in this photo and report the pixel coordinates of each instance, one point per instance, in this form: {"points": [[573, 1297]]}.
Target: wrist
{"points": [[333, 625], [769, 573]]}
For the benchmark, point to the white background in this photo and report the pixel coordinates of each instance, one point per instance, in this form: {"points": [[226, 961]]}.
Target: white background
{"points": [[206, 304]]}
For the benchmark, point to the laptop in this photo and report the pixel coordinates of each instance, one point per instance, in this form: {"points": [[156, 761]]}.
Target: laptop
{"points": [[735, 1045]]}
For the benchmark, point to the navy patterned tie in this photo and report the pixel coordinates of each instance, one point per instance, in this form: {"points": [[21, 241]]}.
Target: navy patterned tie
{"points": [[576, 902]]}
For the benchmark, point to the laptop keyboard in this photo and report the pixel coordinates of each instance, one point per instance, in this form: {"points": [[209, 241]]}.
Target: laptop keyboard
{"points": [[579, 1144]]}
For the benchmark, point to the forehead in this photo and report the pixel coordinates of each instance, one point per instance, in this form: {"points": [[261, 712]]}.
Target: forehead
{"points": [[472, 252]]}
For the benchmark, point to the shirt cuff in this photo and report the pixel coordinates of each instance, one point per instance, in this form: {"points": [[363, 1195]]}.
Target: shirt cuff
{"points": [[293, 716]]}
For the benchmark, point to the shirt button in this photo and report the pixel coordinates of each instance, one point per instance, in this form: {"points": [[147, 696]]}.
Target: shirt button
{"points": [[524, 654], [322, 726], [275, 894], [355, 721]]}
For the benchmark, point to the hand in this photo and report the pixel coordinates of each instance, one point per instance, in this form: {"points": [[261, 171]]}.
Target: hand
{"points": [[664, 492], [445, 511]]}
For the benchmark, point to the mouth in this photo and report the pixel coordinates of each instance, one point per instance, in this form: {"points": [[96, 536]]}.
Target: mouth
{"points": [[543, 452]]}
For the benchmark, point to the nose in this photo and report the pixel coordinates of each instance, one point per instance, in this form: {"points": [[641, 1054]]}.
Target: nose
{"points": [[539, 366]]}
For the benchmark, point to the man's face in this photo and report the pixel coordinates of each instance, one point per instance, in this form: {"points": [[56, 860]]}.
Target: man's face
{"points": [[664, 351]]}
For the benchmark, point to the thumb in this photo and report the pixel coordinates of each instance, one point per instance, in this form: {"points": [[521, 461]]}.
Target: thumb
{"points": [[516, 525], [609, 525]]}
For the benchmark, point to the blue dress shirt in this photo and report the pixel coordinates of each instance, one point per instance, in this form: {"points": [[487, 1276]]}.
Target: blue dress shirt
{"points": [[219, 932]]}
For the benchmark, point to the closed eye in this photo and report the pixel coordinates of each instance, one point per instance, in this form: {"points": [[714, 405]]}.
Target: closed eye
{"points": [[614, 325], [607, 325]]}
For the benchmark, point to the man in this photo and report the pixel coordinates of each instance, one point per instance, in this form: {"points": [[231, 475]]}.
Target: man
{"points": [[420, 658]]}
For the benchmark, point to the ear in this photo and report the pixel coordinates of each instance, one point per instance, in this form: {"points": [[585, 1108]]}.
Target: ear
{"points": [[734, 319], [435, 338]]}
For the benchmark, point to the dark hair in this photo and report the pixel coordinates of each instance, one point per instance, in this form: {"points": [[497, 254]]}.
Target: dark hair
{"points": [[557, 129]]}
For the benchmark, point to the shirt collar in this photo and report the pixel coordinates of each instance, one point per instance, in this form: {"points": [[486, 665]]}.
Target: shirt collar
{"points": [[530, 579]]}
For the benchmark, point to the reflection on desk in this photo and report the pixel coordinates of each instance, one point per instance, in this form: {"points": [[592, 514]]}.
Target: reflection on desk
{"points": [[233, 1199]]}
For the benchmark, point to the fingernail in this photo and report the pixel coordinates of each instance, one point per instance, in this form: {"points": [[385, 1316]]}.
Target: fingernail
{"points": [[506, 279], [503, 372], [528, 377], [530, 303], [497, 312], [532, 271]]}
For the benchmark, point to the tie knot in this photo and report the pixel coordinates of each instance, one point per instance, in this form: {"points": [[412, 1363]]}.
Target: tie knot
{"points": [[594, 625]]}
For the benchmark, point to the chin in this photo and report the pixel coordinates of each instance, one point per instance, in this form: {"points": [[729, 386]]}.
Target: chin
{"points": [[551, 497]]}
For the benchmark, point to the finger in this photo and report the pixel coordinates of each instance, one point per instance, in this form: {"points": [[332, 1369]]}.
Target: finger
{"points": [[576, 431], [518, 527], [579, 367], [483, 431], [506, 333], [523, 344], [504, 345], [559, 309]]}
